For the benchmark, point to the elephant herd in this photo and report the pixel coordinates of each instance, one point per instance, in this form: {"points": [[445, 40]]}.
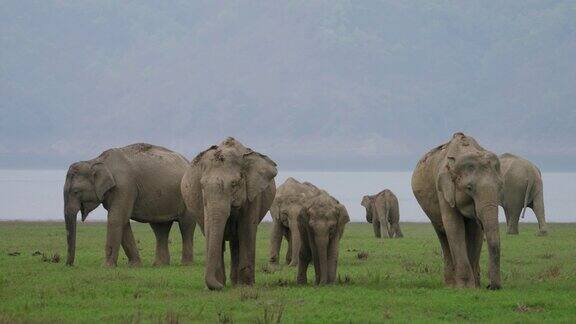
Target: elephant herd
{"points": [[228, 189]]}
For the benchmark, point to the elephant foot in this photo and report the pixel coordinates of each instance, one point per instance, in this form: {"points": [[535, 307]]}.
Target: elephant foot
{"points": [[494, 287], [542, 233], [135, 264], [213, 284], [110, 264], [512, 232], [160, 263]]}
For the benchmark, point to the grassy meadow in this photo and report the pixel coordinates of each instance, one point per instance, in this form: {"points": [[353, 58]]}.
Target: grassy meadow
{"points": [[398, 280]]}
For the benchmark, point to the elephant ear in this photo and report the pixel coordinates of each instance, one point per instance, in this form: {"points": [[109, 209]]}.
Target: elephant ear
{"points": [[275, 210], [303, 219], [103, 179], [445, 184], [259, 173], [344, 217]]}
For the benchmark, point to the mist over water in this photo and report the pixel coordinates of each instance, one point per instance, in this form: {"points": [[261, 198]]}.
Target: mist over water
{"points": [[30, 195]]}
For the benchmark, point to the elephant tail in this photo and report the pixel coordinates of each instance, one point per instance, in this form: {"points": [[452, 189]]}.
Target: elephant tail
{"points": [[529, 185]]}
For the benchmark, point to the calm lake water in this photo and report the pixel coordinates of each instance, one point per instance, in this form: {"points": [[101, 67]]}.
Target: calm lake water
{"points": [[37, 194]]}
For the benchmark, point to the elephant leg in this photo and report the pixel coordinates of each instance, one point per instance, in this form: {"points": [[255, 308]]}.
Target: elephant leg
{"points": [[376, 226], [448, 263], [275, 242], [474, 240], [333, 259], [130, 247], [538, 208], [118, 217], [247, 245], [162, 231], [397, 230], [513, 213], [187, 227], [305, 257], [288, 237], [384, 228], [315, 258], [391, 230], [456, 234], [234, 260]]}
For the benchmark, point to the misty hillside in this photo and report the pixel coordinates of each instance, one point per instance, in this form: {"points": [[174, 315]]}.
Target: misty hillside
{"points": [[314, 84]]}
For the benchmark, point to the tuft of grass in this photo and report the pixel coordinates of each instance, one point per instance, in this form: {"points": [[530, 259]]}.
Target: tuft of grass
{"points": [[524, 308], [248, 293], [362, 256], [54, 258], [272, 314], [224, 318], [346, 280], [551, 273]]}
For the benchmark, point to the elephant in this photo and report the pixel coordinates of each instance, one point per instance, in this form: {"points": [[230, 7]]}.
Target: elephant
{"points": [[458, 185], [321, 224], [289, 201], [139, 182], [522, 188], [383, 213], [229, 188]]}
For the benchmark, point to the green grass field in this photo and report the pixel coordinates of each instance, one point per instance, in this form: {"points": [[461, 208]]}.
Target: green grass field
{"points": [[400, 280]]}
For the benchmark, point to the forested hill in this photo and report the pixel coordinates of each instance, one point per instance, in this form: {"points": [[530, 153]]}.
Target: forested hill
{"points": [[314, 84]]}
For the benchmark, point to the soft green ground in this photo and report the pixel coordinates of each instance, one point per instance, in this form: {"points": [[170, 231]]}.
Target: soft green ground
{"points": [[400, 281]]}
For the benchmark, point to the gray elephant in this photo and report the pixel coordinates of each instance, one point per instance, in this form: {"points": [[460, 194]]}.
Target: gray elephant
{"points": [[458, 185], [321, 224], [522, 188], [139, 182], [289, 201], [383, 212], [229, 188]]}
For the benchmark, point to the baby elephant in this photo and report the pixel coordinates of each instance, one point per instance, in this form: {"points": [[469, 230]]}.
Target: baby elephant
{"points": [[522, 188], [321, 224], [290, 198], [383, 212]]}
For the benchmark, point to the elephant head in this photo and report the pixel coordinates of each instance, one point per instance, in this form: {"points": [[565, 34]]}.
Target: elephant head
{"points": [[325, 218], [367, 203], [229, 176], [472, 183], [87, 183]]}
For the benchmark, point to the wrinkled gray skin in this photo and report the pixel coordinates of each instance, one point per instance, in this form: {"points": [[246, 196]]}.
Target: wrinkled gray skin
{"points": [[458, 185], [139, 182], [383, 212], [229, 188], [321, 224], [522, 188], [290, 198]]}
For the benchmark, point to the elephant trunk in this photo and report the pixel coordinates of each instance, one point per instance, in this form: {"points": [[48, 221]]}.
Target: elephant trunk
{"points": [[294, 242], [322, 253], [71, 208], [368, 215], [215, 217], [488, 215], [70, 219]]}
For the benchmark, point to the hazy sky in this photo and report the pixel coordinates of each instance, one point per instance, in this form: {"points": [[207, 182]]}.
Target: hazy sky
{"points": [[329, 84]]}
